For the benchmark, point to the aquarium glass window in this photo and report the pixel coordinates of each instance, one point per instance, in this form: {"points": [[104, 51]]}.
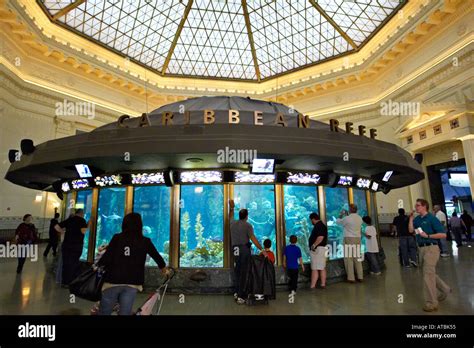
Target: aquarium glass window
{"points": [[84, 201], [336, 200], [153, 204], [300, 201], [361, 201], [201, 226], [110, 213], [259, 200], [68, 206]]}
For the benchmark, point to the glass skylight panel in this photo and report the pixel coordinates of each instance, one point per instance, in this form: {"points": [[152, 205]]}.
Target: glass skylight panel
{"points": [[54, 6], [214, 41]]}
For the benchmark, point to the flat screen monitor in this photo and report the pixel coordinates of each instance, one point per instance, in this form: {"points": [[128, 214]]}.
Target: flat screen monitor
{"points": [[387, 176], [83, 170], [263, 166]]}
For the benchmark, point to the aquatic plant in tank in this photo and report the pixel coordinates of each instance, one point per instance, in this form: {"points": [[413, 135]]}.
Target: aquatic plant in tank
{"points": [[259, 200], [299, 203], [153, 203], [336, 200], [201, 227]]}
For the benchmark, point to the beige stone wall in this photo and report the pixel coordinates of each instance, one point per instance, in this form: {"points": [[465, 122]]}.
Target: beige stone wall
{"points": [[28, 111]]}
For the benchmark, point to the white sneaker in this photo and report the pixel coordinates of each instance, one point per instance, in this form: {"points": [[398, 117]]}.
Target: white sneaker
{"points": [[236, 296], [414, 263], [240, 301], [444, 255], [376, 274]]}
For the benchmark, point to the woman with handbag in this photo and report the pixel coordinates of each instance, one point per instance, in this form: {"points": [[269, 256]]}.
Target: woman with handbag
{"points": [[124, 263]]}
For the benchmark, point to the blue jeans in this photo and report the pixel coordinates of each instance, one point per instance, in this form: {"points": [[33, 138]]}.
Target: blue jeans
{"points": [[373, 262], [408, 249], [123, 295], [443, 246], [241, 269]]}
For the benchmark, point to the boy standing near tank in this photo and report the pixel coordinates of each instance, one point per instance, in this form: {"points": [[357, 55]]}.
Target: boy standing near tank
{"points": [[292, 257]]}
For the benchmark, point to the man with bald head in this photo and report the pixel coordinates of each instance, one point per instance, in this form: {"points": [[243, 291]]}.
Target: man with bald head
{"points": [[353, 256]]}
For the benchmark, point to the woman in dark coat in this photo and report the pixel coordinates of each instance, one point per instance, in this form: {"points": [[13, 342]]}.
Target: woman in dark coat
{"points": [[124, 263]]}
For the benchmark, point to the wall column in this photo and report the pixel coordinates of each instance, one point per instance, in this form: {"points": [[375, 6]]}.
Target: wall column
{"points": [[468, 148]]}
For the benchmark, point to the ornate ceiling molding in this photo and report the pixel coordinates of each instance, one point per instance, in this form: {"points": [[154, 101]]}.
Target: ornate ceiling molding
{"points": [[408, 33]]}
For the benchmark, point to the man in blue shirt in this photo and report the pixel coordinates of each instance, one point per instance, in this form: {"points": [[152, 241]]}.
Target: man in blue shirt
{"points": [[428, 231]]}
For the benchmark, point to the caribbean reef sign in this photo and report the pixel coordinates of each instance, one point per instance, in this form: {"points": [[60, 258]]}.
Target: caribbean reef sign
{"points": [[256, 118]]}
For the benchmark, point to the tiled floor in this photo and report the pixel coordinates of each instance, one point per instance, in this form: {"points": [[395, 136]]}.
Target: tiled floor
{"points": [[397, 291]]}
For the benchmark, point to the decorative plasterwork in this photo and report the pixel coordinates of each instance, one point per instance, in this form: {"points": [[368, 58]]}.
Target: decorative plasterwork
{"points": [[358, 67]]}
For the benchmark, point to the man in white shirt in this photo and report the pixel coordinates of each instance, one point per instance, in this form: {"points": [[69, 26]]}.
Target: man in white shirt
{"points": [[353, 257], [441, 216]]}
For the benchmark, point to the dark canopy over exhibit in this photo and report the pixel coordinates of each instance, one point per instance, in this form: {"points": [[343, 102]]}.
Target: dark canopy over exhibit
{"points": [[189, 134], [179, 166]]}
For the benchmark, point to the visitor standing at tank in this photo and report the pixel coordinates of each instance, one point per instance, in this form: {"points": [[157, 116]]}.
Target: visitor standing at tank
{"points": [[428, 231], [124, 262], [53, 236], [372, 254], [468, 222], [353, 257], [407, 242], [317, 245], [25, 235], [74, 229], [441, 216], [457, 226], [241, 233]]}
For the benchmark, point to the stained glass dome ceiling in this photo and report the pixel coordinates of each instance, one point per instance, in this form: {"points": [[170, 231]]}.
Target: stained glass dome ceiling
{"points": [[232, 39]]}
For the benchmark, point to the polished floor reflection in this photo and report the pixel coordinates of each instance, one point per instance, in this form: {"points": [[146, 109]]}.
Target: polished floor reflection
{"points": [[396, 291]]}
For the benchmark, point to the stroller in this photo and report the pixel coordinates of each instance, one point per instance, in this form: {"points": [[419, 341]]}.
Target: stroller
{"points": [[147, 307], [260, 282]]}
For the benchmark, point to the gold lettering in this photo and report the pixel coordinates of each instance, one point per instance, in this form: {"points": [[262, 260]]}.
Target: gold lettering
{"points": [[121, 120], [279, 119], [234, 116], [209, 117], [167, 118], [361, 130], [258, 118], [303, 121], [373, 133], [333, 124], [349, 128], [144, 121]]}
